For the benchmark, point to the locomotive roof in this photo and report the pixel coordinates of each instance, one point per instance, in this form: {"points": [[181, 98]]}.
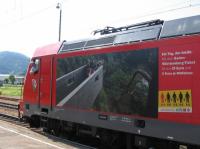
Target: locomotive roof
{"points": [[151, 30], [47, 50]]}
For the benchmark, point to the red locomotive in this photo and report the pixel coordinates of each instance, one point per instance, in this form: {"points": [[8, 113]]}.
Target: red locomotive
{"points": [[138, 84]]}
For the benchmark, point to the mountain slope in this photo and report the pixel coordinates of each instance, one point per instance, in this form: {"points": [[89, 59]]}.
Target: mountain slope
{"points": [[13, 63]]}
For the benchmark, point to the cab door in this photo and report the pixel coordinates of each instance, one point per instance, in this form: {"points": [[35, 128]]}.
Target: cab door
{"points": [[46, 83]]}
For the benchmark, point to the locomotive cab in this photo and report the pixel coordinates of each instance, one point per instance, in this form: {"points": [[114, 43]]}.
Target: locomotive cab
{"points": [[37, 95]]}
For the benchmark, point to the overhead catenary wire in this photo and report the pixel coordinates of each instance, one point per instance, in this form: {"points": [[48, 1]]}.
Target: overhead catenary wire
{"points": [[160, 11], [10, 9], [173, 9], [25, 17], [28, 16], [151, 13]]}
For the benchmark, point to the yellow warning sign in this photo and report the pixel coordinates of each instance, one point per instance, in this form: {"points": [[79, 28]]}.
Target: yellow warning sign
{"points": [[175, 101]]}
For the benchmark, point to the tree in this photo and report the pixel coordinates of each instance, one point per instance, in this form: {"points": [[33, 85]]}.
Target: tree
{"points": [[6, 80], [12, 79]]}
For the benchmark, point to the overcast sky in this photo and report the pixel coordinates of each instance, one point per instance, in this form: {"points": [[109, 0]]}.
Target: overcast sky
{"points": [[28, 24]]}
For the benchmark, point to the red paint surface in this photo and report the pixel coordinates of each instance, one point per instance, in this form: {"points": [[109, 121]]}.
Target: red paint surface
{"points": [[47, 50], [165, 83], [181, 82]]}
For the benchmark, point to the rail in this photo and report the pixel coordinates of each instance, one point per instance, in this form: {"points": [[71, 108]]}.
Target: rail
{"points": [[9, 105], [16, 99]]}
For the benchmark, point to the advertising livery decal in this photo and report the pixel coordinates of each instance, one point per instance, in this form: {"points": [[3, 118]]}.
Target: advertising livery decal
{"points": [[178, 67], [121, 82], [175, 101]]}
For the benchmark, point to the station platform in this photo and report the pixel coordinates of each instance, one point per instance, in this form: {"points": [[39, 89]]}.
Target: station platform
{"points": [[13, 136]]}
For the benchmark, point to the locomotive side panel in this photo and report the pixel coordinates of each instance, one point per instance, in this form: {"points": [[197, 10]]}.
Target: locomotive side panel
{"points": [[121, 83], [178, 83]]}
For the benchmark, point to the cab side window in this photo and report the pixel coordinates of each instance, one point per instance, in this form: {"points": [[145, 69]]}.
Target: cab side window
{"points": [[34, 66]]}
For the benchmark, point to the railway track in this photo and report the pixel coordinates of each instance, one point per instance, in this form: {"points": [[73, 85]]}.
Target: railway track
{"points": [[15, 99], [9, 105], [20, 122]]}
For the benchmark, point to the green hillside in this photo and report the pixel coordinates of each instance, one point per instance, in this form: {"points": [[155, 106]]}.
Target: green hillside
{"points": [[13, 63]]}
